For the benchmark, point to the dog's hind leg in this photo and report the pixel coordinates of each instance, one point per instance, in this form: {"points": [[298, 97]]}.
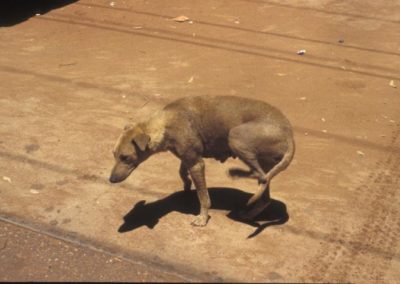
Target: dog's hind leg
{"points": [[280, 166], [184, 174], [255, 143], [242, 173], [241, 144]]}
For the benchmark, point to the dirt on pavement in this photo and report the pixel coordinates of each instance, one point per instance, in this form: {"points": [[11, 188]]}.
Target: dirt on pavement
{"points": [[75, 72]]}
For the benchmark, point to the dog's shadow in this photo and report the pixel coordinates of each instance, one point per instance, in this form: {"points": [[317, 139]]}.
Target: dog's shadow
{"points": [[230, 199]]}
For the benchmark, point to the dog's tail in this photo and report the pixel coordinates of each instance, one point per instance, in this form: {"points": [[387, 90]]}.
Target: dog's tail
{"points": [[282, 165]]}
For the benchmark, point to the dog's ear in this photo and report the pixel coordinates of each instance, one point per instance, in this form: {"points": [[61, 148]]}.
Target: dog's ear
{"points": [[141, 140], [128, 126]]}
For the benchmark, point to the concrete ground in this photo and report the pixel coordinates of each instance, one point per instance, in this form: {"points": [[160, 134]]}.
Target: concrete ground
{"points": [[73, 73], [28, 255]]}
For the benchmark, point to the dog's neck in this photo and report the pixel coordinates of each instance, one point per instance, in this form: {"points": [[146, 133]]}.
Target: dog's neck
{"points": [[155, 128]]}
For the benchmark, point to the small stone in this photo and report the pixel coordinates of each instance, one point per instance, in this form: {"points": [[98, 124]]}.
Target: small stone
{"points": [[360, 153], [301, 52]]}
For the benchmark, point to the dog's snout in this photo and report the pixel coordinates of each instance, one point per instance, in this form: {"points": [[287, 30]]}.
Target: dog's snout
{"points": [[113, 179], [120, 172]]}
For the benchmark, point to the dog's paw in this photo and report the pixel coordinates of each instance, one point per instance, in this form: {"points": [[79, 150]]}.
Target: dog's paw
{"points": [[200, 221]]}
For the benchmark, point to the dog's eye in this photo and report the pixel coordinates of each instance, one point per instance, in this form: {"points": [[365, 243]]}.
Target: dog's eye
{"points": [[125, 159]]}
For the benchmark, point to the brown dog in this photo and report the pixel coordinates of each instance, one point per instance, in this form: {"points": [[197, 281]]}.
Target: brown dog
{"points": [[211, 127]]}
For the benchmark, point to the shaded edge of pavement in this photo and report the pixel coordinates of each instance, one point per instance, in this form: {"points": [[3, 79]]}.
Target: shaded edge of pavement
{"points": [[186, 273]]}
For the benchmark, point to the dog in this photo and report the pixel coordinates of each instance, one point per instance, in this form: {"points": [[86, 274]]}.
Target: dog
{"points": [[219, 127]]}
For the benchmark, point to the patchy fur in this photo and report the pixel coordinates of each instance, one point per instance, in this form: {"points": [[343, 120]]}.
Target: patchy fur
{"points": [[212, 127]]}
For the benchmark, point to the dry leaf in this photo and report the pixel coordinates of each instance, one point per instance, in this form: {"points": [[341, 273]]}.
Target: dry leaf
{"points": [[181, 19], [7, 179]]}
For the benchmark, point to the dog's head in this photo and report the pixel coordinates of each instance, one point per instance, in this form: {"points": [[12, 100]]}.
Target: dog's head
{"points": [[130, 150]]}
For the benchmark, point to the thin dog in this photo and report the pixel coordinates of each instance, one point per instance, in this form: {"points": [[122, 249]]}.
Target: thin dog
{"points": [[217, 127]]}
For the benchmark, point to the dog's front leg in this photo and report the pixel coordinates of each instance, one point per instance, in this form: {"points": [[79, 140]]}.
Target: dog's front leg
{"points": [[184, 174], [197, 173]]}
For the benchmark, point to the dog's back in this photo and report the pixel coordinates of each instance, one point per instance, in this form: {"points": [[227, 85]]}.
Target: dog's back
{"points": [[212, 118], [229, 109]]}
